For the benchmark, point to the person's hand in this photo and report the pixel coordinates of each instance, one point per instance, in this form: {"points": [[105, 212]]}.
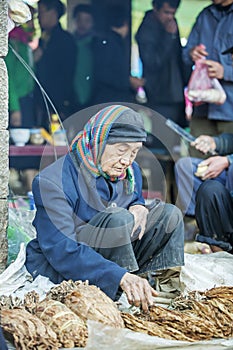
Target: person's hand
{"points": [[138, 291], [136, 82], [140, 216], [38, 53], [15, 119], [215, 69], [171, 26], [204, 144], [198, 52], [215, 165]]}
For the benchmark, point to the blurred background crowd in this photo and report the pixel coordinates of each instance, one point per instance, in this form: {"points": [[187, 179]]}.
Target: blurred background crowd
{"points": [[85, 53]]}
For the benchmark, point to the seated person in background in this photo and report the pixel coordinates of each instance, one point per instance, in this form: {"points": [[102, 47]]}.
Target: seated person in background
{"points": [[92, 222], [205, 190]]}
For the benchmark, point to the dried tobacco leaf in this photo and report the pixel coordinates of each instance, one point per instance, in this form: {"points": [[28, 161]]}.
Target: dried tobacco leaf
{"points": [[90, 303], [28, 331]]}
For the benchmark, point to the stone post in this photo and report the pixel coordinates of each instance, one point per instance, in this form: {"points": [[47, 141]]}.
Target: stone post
{"points": [[4, 136]]}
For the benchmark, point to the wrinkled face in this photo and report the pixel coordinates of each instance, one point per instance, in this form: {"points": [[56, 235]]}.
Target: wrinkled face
{"points": [[83, 23], [222, 2], [166, 13], [117, 157]]}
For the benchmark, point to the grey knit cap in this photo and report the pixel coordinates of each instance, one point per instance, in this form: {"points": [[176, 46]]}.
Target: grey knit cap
{"points": [[129, 127]]}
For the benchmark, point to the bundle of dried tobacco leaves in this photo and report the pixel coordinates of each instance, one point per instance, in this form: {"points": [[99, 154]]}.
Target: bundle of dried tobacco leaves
{"points": [[90, 303], [197, 316], [71, 330], [28, 331], [60, 319]]}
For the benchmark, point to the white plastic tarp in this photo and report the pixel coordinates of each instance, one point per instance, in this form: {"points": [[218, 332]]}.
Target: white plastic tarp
{"points": [[200, 272]]}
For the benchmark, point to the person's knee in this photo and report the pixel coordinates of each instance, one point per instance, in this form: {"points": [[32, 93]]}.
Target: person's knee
{"points": [[209, 189], [120, 217], [120, 226], [186, 165], [173, 217], [184, 171], [180, 164]]}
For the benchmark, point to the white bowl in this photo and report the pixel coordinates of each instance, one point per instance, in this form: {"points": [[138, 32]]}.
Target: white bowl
{"points": [[20, 136]]}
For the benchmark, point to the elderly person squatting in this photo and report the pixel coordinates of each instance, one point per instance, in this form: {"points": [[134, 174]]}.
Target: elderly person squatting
{"points": [[92, 222]]}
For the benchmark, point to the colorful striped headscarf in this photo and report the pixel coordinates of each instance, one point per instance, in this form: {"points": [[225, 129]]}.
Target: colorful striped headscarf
{"points": [[89, 143]]}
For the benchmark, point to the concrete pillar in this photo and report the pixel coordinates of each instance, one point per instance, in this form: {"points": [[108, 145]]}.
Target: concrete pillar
{"points": [[4, 137]]}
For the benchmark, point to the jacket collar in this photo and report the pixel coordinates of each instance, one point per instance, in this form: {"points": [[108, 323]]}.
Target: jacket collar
{"points": [[215, 12]]}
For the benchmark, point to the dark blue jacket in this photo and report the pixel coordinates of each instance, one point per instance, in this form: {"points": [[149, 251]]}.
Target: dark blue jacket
{"points": [[224, 145], [55, 70], [111, 69], [161, 57], [214, 29], [66, 199]]}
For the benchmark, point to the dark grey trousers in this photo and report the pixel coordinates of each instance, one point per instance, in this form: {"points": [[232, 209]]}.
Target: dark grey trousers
{"points": [[214, 215], [161, 247]]}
